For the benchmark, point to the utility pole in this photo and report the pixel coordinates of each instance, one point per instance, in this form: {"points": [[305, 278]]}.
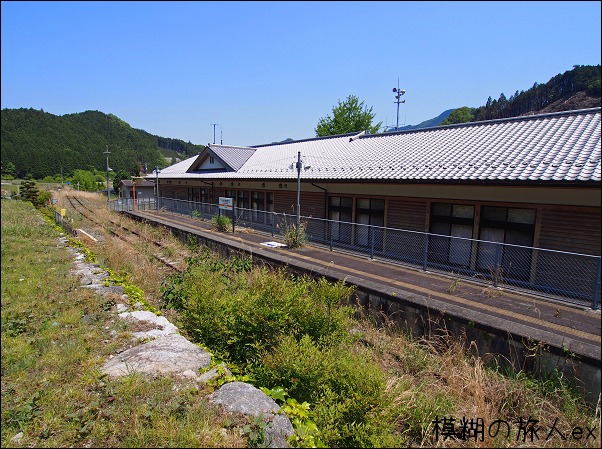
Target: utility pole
{"points": [[108, 195], [157, 184], [298, 165]]}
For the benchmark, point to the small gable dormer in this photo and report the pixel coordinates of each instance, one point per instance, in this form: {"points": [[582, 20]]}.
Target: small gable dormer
{"points": [[219, 158]]}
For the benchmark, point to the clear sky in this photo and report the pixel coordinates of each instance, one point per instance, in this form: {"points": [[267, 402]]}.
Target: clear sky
{"points": [[268, 71]]}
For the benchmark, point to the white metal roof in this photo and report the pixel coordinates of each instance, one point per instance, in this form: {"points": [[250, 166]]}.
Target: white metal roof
{"points": [[235, 157], [563, 146]]}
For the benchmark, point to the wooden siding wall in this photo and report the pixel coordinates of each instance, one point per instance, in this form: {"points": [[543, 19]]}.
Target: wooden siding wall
{"points": [[217, 192], [285, 201], [410, 215], [313, 204], [570, 229], [562, 228]]}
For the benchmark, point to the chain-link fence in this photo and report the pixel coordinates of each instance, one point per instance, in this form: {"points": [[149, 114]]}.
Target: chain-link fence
{"points": [[128, 204], [64, 223], [571, 277]]}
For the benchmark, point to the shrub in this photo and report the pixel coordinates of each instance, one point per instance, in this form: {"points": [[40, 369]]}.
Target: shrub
{"points": [[238, 313], [221, 222], [43, 198], [344, 385], [294, 237]]}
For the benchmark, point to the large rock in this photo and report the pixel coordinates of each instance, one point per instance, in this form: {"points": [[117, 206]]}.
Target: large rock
{"points": [[163, 326], [171, 354], [245, 399]]}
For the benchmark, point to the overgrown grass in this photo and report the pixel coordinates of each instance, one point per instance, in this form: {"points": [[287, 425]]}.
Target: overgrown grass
{"points": [[53, 394], [364, 385], [221, 223]]}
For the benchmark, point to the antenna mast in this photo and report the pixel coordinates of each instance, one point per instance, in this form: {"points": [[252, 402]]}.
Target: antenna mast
{"points": [[214, 125], [398, 93]]}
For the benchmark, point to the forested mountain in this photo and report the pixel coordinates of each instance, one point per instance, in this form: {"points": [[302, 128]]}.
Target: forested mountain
{"points": [[427, 123], [42, 144], [578, 88]]}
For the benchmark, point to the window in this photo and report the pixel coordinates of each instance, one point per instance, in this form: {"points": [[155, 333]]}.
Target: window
{"points": [[257, 205], [198, 195], [340, 209], [515, 226], [369, 212], [231, 194], [453, 220]]}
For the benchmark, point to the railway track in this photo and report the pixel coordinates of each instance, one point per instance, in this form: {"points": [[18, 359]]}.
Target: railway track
{"points": [[120, 231]]}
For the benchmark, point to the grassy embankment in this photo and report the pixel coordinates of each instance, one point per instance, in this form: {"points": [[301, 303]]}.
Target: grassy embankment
{"points": [[52, 388], [369, 387]]}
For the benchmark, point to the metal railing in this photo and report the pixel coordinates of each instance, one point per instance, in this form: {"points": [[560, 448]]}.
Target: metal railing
{"points": [[128, 204], [560, 275], [63, 222]]}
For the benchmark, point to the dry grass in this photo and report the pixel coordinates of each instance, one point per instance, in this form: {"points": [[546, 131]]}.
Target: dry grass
{"points": [[53, 394], [426, 379], [134, 260], [442, 369], [420, 372]]}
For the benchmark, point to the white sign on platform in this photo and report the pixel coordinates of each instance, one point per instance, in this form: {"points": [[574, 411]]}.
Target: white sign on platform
{"points": [[273, 244], [226, 203]]}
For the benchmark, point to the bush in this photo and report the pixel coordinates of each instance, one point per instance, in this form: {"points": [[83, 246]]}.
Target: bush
{"points": [[344, 386], [43, 198], [221, 222], [294, 237], [238, 314]]}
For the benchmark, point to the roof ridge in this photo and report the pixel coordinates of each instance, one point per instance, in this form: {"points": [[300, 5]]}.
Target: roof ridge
{"points": [[215, 145], [309, 139], [498, 120]]}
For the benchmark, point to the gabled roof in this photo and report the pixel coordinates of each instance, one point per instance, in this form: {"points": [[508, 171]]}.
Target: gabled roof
{"points": [[563, 146], [143, 183], [234, 157], [231, 158], [178, 168]]}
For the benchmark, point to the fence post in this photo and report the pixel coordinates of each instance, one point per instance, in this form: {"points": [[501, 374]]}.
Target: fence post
{"points": [[498, 264], [331, 233], [371, 234], [426, 252], [596, 296]]}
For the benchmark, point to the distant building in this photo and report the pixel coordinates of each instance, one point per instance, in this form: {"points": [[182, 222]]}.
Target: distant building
{"points": [[144, 189]]}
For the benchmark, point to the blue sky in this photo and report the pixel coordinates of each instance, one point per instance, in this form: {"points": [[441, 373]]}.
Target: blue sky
{"points": [[268, 71]]}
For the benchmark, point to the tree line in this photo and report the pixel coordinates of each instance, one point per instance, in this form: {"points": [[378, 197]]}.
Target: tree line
{"points": [[37, 144], [582, 78]]}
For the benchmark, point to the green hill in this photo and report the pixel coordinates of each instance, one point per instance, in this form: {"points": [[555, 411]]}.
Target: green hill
{"points": [[42, 144], [578, 88]]}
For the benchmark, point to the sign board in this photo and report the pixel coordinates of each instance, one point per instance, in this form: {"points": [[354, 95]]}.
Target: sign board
{"points": [[226, 203], [273, 244]]}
